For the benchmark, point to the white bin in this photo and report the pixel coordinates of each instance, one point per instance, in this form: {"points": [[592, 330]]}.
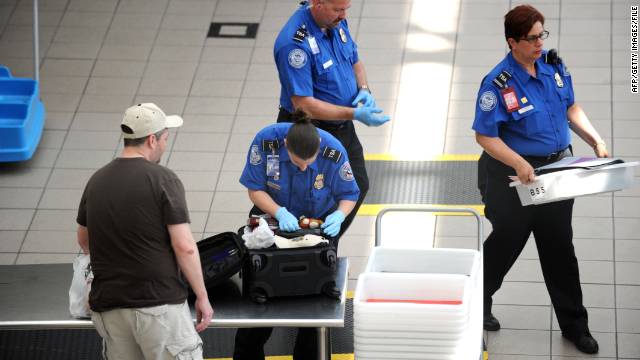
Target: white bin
{"points": [[381, 335], [401, 330], [431, 261], [568, 184], [412, 287]]}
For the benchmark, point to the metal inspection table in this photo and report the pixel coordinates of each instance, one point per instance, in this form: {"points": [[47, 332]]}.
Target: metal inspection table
{"points": [[37, 297]]}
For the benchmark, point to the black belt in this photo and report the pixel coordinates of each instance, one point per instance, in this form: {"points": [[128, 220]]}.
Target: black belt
{"points": [[554, 156], [329, 125], [285, 116]]}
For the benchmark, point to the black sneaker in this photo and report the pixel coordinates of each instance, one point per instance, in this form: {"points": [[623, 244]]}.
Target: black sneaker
{"points": [[490, 323], [585, 343]]}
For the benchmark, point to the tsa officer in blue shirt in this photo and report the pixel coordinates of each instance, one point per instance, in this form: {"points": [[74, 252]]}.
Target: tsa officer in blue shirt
{"points": [[293, 170], [320, 72], [524, 112]]}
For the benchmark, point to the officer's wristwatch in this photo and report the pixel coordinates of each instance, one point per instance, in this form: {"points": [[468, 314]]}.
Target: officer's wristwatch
{"points": [[365, 88]]}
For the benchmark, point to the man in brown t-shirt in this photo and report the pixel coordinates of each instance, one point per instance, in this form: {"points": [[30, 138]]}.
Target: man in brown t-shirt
{"points": [[134, 222]]}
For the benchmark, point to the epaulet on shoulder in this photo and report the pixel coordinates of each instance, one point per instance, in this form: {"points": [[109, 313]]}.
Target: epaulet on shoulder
{"points": [[301, 33], [331, 154], [500, 81], [270, 144]]}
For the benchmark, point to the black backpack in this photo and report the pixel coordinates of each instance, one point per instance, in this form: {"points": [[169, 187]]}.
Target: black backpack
{"points": [[221, 256]]}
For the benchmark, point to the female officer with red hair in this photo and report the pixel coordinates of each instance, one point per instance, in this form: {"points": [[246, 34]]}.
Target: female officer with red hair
{"points": [[524, 111]]}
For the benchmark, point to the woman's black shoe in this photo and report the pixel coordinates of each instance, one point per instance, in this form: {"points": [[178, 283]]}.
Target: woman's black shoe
{"points": [[490, 323]]}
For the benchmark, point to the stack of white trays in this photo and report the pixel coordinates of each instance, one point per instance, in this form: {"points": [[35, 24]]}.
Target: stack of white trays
{"points": [[419, 304]]}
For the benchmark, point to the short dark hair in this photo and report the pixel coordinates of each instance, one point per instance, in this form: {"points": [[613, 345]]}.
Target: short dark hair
{"points": [[519, 21], [303, 139], [140, 141]]}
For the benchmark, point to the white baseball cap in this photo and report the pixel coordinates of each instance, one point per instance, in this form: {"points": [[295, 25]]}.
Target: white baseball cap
{"points": [[146, 119]]}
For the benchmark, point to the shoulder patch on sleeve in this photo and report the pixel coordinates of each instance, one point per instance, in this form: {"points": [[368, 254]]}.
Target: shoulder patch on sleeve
{"points": [[297, 58], [331, 154], [255, 158], [346, 173], [487, 101]]}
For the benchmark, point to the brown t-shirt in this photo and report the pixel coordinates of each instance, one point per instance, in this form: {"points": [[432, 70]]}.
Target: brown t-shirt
{"points": [[126, 207]]}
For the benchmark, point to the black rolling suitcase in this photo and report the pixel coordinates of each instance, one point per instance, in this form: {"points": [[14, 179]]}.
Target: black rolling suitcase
{"points": [[275, 272]]}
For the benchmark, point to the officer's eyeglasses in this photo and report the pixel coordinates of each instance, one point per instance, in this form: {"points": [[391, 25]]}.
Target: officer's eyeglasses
{"points": [[533, 38]]}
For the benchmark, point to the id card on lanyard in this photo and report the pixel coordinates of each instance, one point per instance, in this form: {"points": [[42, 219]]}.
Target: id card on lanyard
{"points": [[273, 166], [510, 99]]}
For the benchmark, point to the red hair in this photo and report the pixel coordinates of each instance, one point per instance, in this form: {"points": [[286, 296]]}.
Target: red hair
{"points": [[519, 21]]}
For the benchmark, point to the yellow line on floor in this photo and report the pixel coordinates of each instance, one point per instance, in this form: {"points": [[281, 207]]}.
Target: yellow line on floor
{"points": [[443, 157], [374, 209], [289, 357]]}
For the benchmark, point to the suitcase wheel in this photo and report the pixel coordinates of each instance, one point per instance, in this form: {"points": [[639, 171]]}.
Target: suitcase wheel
{"points": [[330, 258], [256, 263], [258, 296], [331, 290]]}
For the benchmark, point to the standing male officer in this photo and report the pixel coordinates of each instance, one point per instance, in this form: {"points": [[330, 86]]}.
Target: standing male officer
{"points": [[321, 74]]}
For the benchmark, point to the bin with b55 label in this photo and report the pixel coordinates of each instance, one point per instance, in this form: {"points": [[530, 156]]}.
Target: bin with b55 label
{"points": [[574, 177]]}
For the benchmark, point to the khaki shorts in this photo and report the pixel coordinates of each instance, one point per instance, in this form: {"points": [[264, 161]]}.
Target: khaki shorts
{"points": [[154, 333]]}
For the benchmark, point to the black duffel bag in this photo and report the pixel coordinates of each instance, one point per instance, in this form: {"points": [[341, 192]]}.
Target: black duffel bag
{"points": [[221, 256]]}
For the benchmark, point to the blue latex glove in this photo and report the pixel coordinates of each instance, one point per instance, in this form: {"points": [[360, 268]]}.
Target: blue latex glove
{"points": [[369, 116], [286, 220], [332, 223], [365, 98]]}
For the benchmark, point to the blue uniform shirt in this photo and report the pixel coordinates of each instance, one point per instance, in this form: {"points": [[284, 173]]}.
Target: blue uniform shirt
{"points": [[312, 63], [312, 192], [538, 125]]}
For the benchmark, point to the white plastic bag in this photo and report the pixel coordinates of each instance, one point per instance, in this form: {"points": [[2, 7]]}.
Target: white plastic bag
{"points": [[260, 238], [80, 287]]}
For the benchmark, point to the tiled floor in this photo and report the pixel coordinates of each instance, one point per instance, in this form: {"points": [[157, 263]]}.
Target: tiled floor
{"points": [[424, 59]]}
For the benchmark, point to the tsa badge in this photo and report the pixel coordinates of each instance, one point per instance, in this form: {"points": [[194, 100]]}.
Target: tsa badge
{"points": [[346, 173], [319, 183], [255, 158], [343, 35], [558, 80]]}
